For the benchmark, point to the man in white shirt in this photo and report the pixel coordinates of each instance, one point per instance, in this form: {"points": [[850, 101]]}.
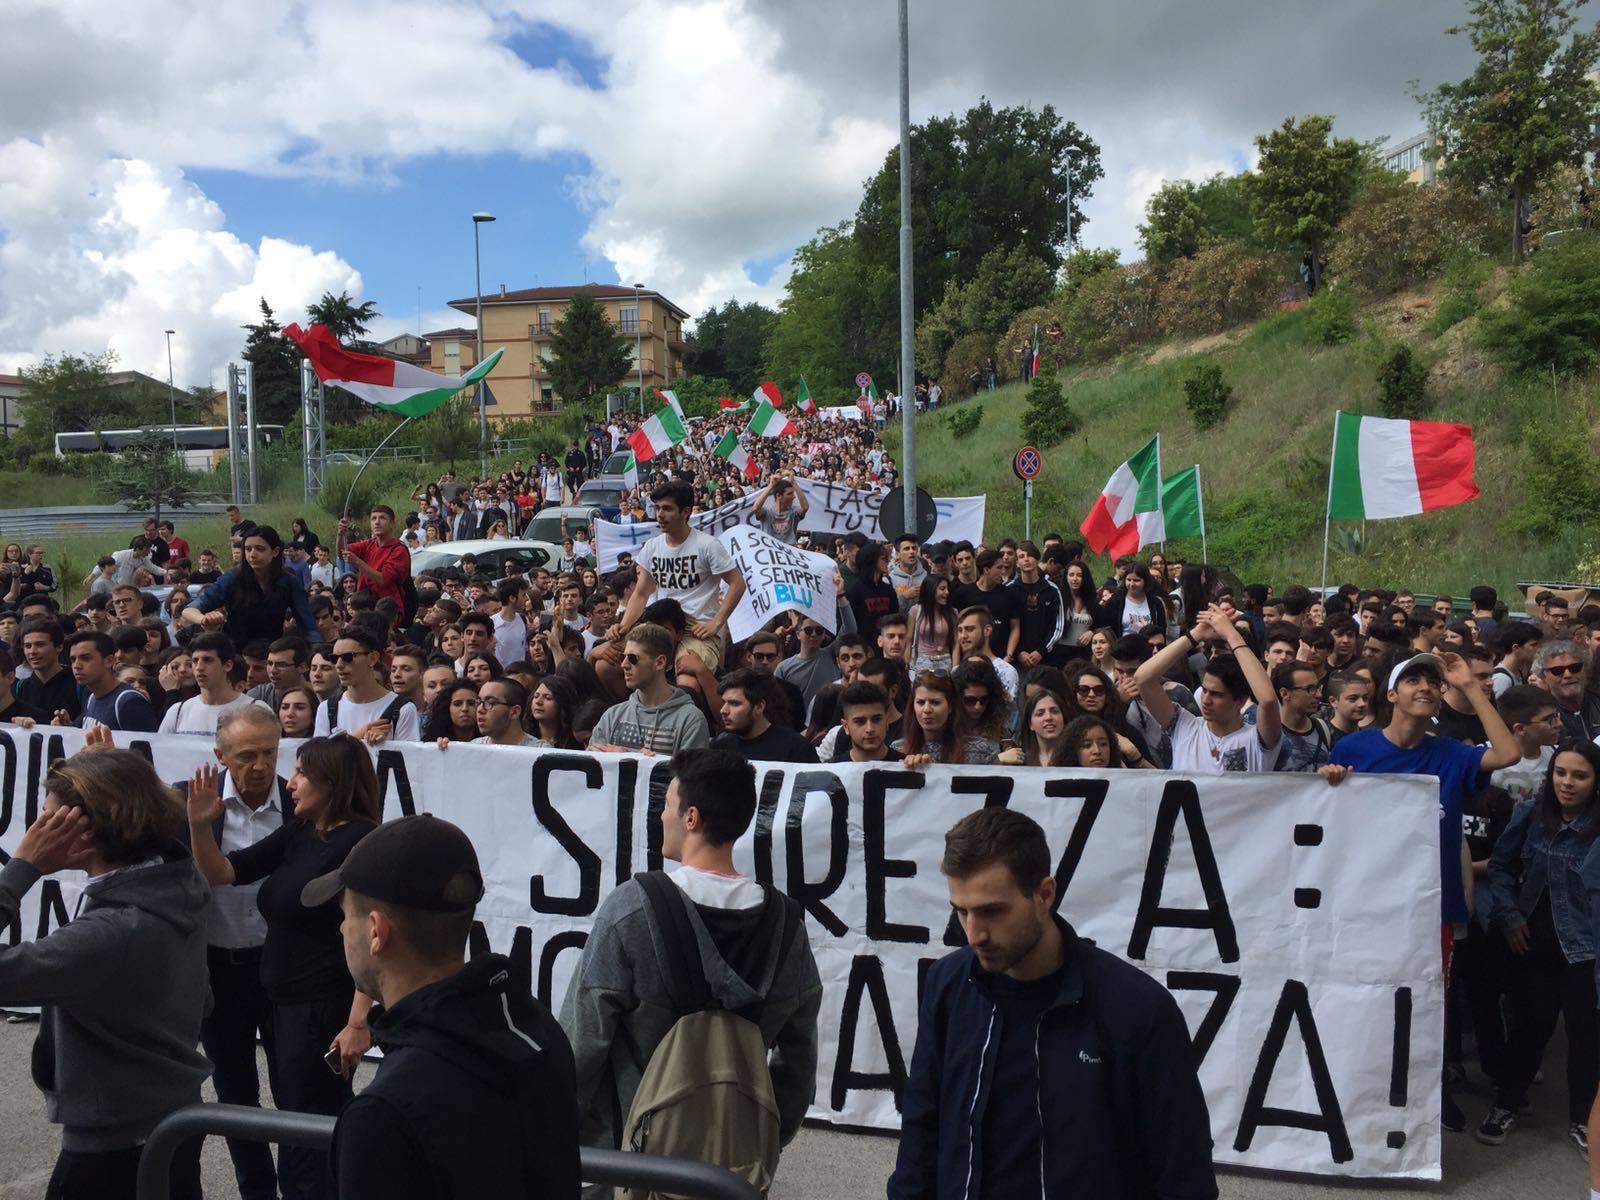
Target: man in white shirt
{"points": [[212, 656], [510, 626], [366, 709], [132, 559], [255, 802]]}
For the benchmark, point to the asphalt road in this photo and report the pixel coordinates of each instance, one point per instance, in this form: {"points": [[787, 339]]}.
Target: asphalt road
{"points": [[1536, 1161]]}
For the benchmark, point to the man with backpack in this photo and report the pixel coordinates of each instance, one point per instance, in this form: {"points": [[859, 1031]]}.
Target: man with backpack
{"points": [[382, 563], [365, 709], [691, 979]]}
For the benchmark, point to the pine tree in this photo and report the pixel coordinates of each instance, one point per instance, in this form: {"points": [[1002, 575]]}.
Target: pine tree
{"points": [[1048, 420], [587, 354], [275, 371], [146, 474]]}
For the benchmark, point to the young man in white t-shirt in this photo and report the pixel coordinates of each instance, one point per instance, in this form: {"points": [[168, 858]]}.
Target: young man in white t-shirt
{"points": [[689, 566], [366, 709], [212, 655], [510, 626], [1218, 740], [1531, 714]]}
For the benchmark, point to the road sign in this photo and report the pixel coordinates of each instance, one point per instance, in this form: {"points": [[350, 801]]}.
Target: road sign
{"points": [[863, 380], [892, 515], [1027, 463]]}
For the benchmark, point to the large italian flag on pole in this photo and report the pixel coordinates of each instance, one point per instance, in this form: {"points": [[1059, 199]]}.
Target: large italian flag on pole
{"points": [[393, 386], [661, 432], [1128, 513], [1385, 468], [769, 422], [730, 449]]}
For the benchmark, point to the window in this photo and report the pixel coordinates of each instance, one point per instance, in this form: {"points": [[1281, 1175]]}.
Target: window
{"points": [[629, 317], [544, 318]]}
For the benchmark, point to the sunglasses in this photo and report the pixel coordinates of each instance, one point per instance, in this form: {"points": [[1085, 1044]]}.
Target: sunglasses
{"points": [[1563, 669], [633, 660], [1091, 691], [348, 656]]}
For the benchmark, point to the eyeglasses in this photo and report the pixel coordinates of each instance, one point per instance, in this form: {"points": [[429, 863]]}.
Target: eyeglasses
{"points": [[975, 701], [1559, 670], [487, 702], [1307, 688]]}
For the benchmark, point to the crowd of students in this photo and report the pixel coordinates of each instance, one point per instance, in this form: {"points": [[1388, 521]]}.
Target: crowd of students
{"points": [[940, 653]]}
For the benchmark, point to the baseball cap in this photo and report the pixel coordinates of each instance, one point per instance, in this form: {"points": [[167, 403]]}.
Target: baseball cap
{"points": [[415, 862], [1431, 663]]}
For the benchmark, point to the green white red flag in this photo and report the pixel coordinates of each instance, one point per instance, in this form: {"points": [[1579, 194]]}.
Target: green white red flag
{"points": [[386, 383], [1033, 354], [672, 400], [1386, 468], [768, 393], [661, 432], [769, 422], [1128, 514], [802, 399], [730, 449]]}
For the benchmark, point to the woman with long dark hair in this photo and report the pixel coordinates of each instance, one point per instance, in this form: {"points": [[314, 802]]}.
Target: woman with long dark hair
{"points": [[938, 730], [315, 1006], [1098, 697], [1041, 737], [1089, 741], [932, 621], [453, 715], [1539, 900], [1136, 603], [300, 535], [551, 707], [1082, 605], [250, 602]]}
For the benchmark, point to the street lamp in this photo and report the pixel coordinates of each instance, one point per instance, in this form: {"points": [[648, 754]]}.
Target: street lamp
{"points": [[638, 343], [480, 218], [172, 395]]}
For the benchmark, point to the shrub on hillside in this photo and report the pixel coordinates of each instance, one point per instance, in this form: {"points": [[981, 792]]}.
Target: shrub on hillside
{"points": [[1553, 319], [1018, 337], [1220, 287], [1332, 316], [1048, 419], [1458, 298], [964, 420], [1402, 383], [1397, 235], [1560, 477], [969, 355], [1112, 312], [1206, 394]]}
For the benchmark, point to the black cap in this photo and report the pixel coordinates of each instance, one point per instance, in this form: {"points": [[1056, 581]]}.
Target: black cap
{"points": [[416, 862]]}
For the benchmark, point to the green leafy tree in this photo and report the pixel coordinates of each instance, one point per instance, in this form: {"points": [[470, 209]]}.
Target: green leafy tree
{"points": [[1047, 419], [1174, 222], [839, 316], [345, 319], [1007, 282], [1206, 395], [66, 393], [587, 354], [699, 394], [989, 180], [449, 434], [1553, 318], [1530, 106], [1402, 385], [275, 373], [1225, 206], [731, 343], [147, 475], [1304, 183]]}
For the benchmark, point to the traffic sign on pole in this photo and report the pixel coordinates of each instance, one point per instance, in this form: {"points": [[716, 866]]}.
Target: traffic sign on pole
{"points": [[1027, 463]]}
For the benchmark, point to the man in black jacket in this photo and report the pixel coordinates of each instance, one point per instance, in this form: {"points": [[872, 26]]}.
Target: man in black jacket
{"points": [[477, 1093], [1044, 1066]]}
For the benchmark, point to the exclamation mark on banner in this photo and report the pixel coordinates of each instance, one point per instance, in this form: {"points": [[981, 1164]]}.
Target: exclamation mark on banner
{"points": [[1400, 1064]]}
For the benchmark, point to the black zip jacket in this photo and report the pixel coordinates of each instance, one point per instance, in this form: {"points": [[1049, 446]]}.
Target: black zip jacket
{"points": [[1119, 1100], [476, 1096]]}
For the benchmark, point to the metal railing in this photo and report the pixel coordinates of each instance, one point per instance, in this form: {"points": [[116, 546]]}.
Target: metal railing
{"points": [[612, 1168]]}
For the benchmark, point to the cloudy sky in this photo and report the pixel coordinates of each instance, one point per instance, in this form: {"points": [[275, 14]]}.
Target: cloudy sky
{"points": [[165, 164]]}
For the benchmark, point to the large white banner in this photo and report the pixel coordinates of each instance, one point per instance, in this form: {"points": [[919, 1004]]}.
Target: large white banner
{"points": [[1296, 924], [835, 509]]}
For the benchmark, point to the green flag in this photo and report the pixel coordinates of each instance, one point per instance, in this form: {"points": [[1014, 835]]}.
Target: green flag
{"points": [[1180, 501]]}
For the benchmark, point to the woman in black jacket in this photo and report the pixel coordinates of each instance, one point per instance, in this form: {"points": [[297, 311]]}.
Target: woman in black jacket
{"points": [[251, 602], [872, 597], [315, 1006], [1136, 604]]}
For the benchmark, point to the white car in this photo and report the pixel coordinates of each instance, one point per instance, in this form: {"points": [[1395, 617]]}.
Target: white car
{"points": [[492, 556]]}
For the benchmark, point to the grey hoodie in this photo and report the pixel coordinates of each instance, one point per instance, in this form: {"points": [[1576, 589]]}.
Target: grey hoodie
{"points": [[124, 987], [674, 724]]}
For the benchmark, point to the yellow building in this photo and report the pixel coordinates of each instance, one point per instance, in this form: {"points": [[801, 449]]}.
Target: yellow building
{"points": [[523, 322]]}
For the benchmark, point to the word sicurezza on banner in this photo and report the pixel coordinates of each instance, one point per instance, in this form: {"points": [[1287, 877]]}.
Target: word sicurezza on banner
{"points": [[1295, 927]]}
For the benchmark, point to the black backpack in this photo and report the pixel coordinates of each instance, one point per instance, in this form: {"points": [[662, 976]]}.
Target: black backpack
{"points": [[391, 713]]}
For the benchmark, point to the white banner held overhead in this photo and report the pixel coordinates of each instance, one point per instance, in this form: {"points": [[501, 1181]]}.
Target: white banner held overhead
{"points": [[779, 578], [840, 412], [835, 509], [1295, 924]]}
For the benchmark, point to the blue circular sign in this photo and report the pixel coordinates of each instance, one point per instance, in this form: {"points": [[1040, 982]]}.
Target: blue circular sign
{"points": [[1027, 463]]}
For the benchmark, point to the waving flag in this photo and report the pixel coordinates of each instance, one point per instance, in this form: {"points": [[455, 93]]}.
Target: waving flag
{"points": [[1033, 353], [802, 399], [385, 383], [769, 422], [1128, 513], [729, 404], [661, 432], [730, 449], [630, 473], [672, 400], [768, 393], [1387, 468]]}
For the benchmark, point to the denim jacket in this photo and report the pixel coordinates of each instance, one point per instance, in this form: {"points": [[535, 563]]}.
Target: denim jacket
{"points": [[1527, 860]]}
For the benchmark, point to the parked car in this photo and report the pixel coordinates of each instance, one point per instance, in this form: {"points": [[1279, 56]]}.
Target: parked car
{"points": [[492, 556], [604, 493], [554, 523], [616, 462]]}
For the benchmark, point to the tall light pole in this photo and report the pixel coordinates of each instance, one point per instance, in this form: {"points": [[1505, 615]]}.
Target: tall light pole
{"points": [[172, 395], [480, 218], [638, 342], [908, 365]]}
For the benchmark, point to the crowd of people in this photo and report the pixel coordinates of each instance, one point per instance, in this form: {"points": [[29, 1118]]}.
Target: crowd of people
{"points": [[940, 653]]}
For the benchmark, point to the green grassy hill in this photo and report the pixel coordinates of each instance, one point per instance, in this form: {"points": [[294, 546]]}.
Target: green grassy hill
{"points": [[1264, 470]]}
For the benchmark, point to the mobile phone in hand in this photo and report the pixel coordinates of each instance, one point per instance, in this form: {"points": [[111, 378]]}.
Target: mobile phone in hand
{"points": [[335, 1061]]}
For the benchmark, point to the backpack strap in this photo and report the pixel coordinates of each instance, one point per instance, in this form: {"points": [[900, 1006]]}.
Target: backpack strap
{"points": [[333, 715], [686, 988], [391, 714]]}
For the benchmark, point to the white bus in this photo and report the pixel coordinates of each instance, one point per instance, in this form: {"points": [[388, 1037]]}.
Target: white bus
{"points": [[202, 446]]}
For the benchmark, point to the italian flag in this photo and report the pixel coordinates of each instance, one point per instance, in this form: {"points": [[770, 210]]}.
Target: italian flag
{"points": [[768, 393], [1128, 513], [769, 422], [730, 449], [630, 473], [1033, 354], [732, 405], [802, 398], [870, 392], [1384, 468], [672, 402], [661, 432], [385, 383]]}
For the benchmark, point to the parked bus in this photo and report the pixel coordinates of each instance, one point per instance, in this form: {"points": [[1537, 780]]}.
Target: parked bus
{"points": [[202, 446]]}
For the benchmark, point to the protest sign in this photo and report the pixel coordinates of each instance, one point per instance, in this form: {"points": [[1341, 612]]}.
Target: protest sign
{"points": [[1295, 924], [840, 412], [835, 509], [779, 578]]}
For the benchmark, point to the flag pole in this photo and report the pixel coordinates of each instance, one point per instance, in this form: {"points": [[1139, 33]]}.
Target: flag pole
{"points": [[1200, 502], [1327, 511]]}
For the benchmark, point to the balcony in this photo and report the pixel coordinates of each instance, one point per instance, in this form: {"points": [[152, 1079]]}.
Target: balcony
{"points": [[675, 338], [635, 327], [541, 331]]}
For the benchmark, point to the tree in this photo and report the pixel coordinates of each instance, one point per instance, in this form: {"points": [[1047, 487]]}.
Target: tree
{"points": [[731, 344], [1174, 222], [839, 316], [275, 373], [1006, 282], [147, 474], [346, 320], [67, 393], [1530, 105], [450, 432], [587, 354], [993, 179], [1047, 419], [1304, 183]]}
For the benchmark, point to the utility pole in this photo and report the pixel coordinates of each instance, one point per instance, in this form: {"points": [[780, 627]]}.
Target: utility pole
{"points": [[908, 366], [480, 218], [172, 395]]}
